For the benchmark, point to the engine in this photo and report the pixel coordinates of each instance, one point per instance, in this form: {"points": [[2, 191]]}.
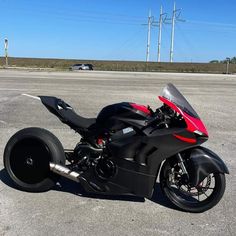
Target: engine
{"points": [[116, 122], [86, 156]]}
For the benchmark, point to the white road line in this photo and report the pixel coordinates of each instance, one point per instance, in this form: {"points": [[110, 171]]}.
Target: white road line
{"points": [[31, 96], [3, 122], [11, 89]]}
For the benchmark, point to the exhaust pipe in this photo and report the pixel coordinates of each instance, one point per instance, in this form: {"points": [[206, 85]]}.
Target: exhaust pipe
{"points": [[64, 171]]}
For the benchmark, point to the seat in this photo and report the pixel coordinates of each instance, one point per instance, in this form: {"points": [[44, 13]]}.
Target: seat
{"points": [[66, 113]]}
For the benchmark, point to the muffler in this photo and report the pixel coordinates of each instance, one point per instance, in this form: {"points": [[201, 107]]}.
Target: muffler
{"points": [[64, 171]]}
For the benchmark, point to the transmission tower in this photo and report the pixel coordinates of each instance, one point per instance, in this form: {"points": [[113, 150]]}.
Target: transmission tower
{"points": [[150, 22], [175, 17], [162, 20]]}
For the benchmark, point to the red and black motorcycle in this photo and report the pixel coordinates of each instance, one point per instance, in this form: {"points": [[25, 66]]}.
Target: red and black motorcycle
{"points": [[122, 151]]}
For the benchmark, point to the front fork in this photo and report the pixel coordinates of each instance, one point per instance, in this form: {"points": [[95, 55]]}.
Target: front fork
{"points": [[182, 166]]}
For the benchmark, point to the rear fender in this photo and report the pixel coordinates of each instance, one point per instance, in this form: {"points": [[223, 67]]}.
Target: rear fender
{"points": [[203, 162]]}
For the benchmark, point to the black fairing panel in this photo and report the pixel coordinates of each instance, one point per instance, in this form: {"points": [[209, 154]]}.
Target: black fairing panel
{"points": [[203, 162], [117, 116], [138, 160], [155, 145]]}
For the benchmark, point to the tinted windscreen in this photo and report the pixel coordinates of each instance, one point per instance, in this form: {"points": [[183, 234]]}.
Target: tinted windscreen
{"points": [[171, 93]]}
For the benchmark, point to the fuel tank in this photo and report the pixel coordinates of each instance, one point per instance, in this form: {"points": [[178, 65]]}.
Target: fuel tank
{"points": [[120, 115]]}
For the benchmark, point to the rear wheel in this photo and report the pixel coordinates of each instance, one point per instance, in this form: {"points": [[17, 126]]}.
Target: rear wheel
{"points": [[191, 198], [27, 156]]}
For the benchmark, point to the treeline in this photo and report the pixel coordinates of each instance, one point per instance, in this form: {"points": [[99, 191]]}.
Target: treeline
{"points": [[63, 64], [231, 60]]}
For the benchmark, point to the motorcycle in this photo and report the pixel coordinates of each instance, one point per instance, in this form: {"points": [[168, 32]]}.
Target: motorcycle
{"points": [[122, 152]]}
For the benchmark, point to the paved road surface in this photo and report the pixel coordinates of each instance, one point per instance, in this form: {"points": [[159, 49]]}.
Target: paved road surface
{"points": [[65, 210]]}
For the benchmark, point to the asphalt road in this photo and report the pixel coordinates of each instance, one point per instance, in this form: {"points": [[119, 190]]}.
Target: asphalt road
{"points": [[66, 210]]}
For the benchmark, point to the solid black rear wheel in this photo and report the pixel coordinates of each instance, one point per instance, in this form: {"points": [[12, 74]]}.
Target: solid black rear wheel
{"points": [[189, 198], [27, 156]]}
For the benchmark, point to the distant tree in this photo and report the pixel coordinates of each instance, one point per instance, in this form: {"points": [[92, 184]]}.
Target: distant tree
{"points": [[232, 61], [224, 61], [214, 61]]}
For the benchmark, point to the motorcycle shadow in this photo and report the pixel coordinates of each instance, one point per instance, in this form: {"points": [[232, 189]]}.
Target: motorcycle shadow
{"points": [[4, 177], [69, 186], [66, 185]]}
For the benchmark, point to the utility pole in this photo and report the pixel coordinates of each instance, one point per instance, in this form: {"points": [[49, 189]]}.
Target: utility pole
{"points": [[6, 52], [150, 19], [172, 34], [159, 24], [159, 37], [175, 17], [227, 65]]}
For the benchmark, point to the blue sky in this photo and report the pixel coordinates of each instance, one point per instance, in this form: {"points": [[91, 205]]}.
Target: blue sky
{"points": [[113, 30]]}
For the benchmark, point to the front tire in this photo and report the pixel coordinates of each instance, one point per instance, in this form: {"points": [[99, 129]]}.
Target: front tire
{"points": [[27, 156], [188, 198]]}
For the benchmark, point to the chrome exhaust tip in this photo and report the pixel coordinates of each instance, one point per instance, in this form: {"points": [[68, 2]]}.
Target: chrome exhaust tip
{"points": [[64, 171]]}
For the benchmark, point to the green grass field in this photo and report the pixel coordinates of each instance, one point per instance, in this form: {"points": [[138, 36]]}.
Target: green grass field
{"points": [[63, 64]]}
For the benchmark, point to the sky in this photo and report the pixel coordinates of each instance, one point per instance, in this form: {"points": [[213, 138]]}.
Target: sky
{"points": [[116, 30]]}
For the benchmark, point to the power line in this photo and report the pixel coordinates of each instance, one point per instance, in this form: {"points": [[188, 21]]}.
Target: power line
{"points": [[192, 48], [80, 14], [128, 43], [211, 23], [110, 18]]}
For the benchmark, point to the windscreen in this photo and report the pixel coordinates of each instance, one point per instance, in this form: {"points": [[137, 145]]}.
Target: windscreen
{"points": [[171, 93]]}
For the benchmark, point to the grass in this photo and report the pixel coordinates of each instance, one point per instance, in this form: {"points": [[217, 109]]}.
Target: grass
{"points": [[64, 64]]}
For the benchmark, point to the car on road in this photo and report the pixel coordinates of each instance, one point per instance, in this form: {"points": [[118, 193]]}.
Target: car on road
{"points": [[81, 67]]}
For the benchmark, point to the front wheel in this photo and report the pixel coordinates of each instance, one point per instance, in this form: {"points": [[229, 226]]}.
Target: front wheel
{"points": [[189, 198]]}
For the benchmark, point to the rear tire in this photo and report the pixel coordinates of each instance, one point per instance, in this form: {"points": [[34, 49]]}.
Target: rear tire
{"points": [[27, 156], [190, 201]]}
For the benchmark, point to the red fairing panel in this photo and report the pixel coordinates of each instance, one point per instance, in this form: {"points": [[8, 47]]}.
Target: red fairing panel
{"points": [[187, 140], [141, 108], [193, 124]]}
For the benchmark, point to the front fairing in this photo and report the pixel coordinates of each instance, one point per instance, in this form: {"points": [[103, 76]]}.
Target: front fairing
{"points": [[175, 100]]}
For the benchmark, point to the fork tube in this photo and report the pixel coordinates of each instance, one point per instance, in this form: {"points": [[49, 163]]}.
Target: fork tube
{"points": [[181, 162]]}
